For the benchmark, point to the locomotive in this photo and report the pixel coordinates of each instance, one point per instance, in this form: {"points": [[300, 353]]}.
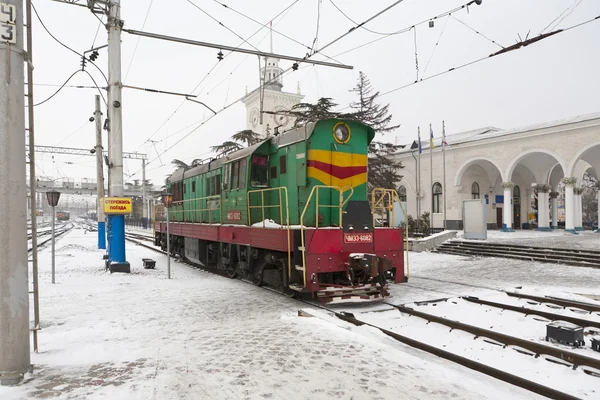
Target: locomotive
{"points": [[63, 215], [290, 212]]}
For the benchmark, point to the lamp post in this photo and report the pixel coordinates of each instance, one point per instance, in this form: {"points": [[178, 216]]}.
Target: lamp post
{"points": [[53, 197], [167, 199]]}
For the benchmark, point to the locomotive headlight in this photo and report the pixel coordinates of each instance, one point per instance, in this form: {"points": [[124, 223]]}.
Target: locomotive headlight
{"points": [[341, 133]]}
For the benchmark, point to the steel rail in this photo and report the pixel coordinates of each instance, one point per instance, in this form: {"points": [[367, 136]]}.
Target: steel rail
{"points": [[558, 301], [578, 360], [466, 362], [528, 311]]}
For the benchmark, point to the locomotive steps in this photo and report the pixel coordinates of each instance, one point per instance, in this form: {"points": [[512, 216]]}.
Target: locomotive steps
{"points": [[577, 257]]}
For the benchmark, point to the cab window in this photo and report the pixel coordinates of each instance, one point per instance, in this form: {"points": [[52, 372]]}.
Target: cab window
{"points": [[258, 171]]}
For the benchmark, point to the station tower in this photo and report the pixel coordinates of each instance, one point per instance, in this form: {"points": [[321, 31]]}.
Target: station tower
{"points": [[274, 99]]}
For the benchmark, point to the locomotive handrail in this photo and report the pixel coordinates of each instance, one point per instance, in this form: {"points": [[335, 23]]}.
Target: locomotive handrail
{"points": [[262, 206], [392, 194], [341, 205], [201, 210]]}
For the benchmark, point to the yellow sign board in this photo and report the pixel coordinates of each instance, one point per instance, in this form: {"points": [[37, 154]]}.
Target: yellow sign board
{"points": [[117, 205]]}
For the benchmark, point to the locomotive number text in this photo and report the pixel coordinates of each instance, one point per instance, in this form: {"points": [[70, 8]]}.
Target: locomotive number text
{"points": [[358, 238]]}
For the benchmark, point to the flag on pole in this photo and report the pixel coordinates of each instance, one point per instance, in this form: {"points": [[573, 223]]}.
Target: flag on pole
{"points": [[420, 146], [431, 137], [444, 143]]}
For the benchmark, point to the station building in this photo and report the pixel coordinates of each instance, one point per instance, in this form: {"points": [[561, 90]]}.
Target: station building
{"points": [[504, 168]]}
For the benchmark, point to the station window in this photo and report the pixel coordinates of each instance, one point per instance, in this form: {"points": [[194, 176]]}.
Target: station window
{"points": [[402, 194], [437, 198], [194, 186], [475, 191]]}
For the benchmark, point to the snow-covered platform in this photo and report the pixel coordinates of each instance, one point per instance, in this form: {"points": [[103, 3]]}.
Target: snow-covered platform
{"points": [[553, 239], [203, 336]]}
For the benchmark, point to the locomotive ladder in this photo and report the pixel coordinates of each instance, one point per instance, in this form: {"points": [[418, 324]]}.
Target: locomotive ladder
{"points": [[378, 202], [340, 207], [282, 192]]}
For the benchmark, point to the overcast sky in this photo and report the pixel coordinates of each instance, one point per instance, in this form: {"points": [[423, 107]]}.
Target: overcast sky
{"points": [[552, 79]]}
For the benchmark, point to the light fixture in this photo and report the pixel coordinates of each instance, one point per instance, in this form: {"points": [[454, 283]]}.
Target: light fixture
{"points": [[53, 197], [167, 199]]}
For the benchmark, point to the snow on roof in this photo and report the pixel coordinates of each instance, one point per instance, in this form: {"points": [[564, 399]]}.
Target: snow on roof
{"points": [[493, 132]]}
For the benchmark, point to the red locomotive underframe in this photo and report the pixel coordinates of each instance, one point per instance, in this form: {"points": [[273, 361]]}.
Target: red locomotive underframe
{"points": [[326, 250]]}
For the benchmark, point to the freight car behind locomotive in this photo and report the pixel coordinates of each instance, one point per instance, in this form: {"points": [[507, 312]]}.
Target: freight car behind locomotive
{"points": [[290, 212]]}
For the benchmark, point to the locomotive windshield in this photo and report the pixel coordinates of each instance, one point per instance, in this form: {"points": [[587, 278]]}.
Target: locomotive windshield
{"points": [[259, 171]]}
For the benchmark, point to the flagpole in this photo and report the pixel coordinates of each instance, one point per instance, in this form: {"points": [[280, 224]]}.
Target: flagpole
{"points": [[419, 179], [431, 174], [444, 162]]}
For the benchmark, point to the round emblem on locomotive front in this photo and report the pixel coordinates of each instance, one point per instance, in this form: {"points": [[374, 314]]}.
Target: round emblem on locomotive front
{"points": [[341, 133]]}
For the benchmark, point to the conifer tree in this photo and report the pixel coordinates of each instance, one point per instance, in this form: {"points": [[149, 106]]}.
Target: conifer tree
{"points": [[383, 168]]}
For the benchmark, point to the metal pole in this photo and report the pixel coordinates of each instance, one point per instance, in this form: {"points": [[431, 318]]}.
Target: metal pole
{"points": [[431, 176], [53, 245], [168, 248], [144, 213], [114, 26], [14, 290], [100, 175], [444, 162], [419, 179], [32, 180]]}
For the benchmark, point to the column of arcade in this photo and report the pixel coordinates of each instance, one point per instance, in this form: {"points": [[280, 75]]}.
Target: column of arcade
{"points": [[507, 208], [543, 215]]}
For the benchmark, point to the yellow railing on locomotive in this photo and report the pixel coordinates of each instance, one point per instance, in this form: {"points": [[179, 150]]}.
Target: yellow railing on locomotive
{"points": [[187, 214], [340, 206], [387, 209], [283, 194]]}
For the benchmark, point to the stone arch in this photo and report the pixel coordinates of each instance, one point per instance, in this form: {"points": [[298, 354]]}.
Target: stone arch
{"points": [[592, 148], [474, 161], [539, 175], [408, 181]]}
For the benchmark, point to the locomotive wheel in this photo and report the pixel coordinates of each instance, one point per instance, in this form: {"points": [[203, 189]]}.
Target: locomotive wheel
{"points": [[257, 277], [231, 271], [289, 292]]}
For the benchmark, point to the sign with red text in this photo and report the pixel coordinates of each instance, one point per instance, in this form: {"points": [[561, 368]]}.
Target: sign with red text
{"points": [[234, 215], [118, 205]]}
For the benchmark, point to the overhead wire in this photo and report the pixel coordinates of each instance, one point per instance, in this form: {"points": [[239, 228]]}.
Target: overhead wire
{"points": [[220, 23], [315, 40], [525, 43], [436, 45], [138, 40], [559, 15], [477, 32], [285, 71], [309, 48], [566, 15], [407, 29], [218, 63], [64, 84], [64, 45]]}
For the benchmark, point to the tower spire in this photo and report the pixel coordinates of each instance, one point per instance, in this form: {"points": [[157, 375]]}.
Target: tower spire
{"points": [[271, 29]]}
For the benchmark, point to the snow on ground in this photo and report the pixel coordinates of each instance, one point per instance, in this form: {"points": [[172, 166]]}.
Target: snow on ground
{"points": [[559, 377], [553, 239], [203, 336], [435, 275]]}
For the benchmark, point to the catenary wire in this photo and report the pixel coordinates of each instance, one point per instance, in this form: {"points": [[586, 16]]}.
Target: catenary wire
{"points": [[138, 40], [436, 45], [64, 45], [566, 15], [309, 48], [477, 32], [219, 22], [285, 10], [480, 59]]}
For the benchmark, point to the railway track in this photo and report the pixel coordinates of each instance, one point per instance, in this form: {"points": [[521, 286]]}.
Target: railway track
{"points": [[567, 304], [528, 311], [58, 233], [589, 365]]}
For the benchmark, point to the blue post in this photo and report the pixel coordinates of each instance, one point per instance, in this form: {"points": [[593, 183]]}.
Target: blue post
{"points": [[117, 261], [118, 240], [101, 235], [109, 236]]}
